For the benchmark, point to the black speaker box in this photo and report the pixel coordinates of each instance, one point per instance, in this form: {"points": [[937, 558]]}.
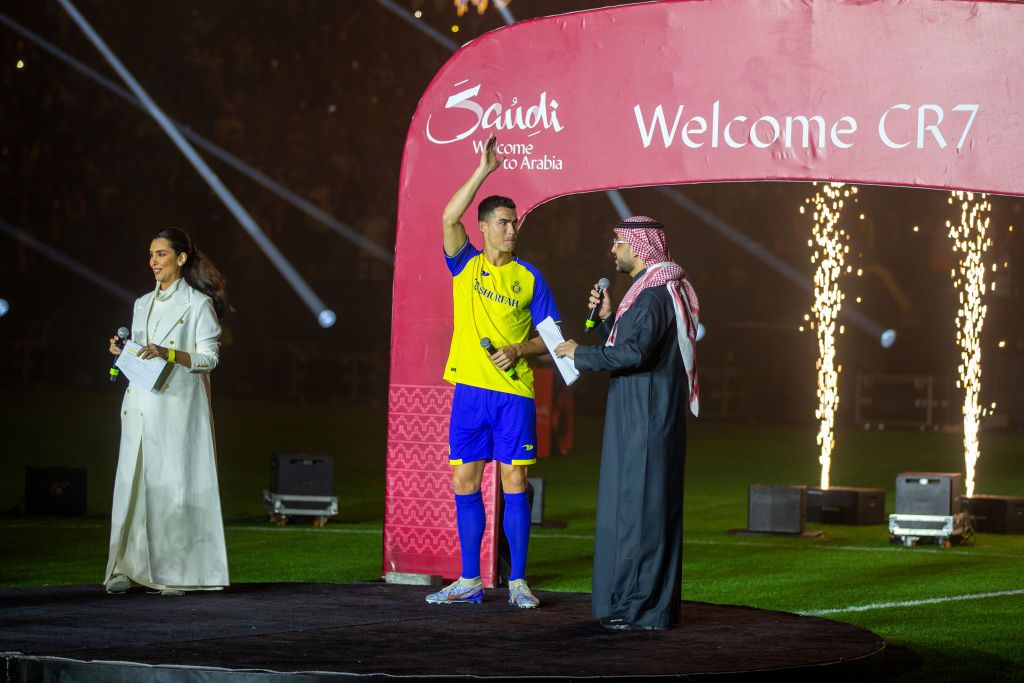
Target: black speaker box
{"points": [[846, 505], [777, 509], [55, 490], [996, 514], [928, 493], [302, 474]]}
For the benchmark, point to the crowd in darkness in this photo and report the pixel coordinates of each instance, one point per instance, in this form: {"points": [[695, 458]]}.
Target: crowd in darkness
{"points": [[318, 96]]}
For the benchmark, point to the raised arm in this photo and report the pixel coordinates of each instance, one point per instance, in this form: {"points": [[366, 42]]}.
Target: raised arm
{"points": [[454, 231]]}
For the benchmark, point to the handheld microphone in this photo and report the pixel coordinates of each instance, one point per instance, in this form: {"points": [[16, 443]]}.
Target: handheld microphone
{"points": [[602, 285], [122, 336], [485, 344]]}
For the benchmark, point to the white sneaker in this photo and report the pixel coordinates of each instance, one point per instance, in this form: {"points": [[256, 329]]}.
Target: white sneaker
{"points": [[118, 585]]}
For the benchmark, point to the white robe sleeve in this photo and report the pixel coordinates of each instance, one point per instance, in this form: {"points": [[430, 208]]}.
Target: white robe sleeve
{"points": [[207, 351]]}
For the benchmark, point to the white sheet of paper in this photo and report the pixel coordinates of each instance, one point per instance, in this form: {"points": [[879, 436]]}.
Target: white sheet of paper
{"points": [[552, 337], [148, 373]]}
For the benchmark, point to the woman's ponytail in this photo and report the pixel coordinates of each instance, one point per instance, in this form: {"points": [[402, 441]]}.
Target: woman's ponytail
{"points": [[199, 271]]}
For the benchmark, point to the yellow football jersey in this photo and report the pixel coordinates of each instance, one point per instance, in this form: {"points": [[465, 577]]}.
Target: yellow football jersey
{"points": [[502, 303]]}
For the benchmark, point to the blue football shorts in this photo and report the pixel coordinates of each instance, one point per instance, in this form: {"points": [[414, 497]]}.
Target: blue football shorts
{"points": [[491, 425]]}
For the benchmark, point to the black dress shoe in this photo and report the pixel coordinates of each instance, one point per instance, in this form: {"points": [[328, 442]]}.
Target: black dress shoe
{"points": [[614, 623], [620, 624], [642, 627]]}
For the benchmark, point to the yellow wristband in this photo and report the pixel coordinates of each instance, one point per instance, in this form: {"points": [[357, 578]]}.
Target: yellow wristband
{"points": [[170, 355]]}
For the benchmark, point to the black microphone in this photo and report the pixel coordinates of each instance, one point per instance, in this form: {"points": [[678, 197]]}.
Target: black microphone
{"points": [[122, 336], [485, 343], [602, 285]]}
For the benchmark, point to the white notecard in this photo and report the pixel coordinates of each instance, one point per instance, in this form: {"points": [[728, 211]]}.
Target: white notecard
{"points": [[552, 337], [150, 373]]}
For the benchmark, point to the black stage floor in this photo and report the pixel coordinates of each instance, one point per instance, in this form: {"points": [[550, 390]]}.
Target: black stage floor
{"points": [[367, 630]]}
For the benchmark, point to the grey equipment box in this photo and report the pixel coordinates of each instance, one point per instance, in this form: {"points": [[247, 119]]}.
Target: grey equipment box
{"points": [[846, 505], [776, 509], [283, 507], [928, 493], [995, 514], [942, 529]]}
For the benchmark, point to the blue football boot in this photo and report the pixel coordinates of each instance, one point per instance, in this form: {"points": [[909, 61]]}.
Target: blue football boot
{"points": [[463, 590], [520, 595]]}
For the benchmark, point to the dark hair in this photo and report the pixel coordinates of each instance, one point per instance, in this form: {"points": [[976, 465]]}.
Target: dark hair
{"points": [[198, 271], [489, 204]]}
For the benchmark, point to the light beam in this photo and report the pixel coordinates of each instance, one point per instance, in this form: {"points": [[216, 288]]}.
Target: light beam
{"points": [[304, 205], [305, 292], [80, 269]]}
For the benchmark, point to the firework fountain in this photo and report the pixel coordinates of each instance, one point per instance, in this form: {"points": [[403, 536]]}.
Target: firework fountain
{"points": [[829, 244], [970, 242]]}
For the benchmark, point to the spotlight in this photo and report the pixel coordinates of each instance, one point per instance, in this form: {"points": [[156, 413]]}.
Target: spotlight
{"points": [[327, 318], [888, 338], [701, 331], [4, 307]]}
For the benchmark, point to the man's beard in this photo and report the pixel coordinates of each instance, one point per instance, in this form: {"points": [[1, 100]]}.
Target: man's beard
{"points": [[622, 266], [504, 248]]}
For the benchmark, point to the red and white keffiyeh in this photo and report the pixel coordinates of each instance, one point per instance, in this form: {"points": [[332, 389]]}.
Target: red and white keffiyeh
{"points": [[647, 237]]}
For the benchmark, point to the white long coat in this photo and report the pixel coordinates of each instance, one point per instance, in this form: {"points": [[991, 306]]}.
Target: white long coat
{"points": [[166, 524]]}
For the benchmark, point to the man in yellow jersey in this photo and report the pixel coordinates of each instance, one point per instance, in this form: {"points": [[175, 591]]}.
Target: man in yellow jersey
{"points": [[498, 300]]}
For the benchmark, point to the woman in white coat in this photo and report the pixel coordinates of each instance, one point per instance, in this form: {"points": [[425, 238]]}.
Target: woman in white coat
{"points": [[166, 530]]}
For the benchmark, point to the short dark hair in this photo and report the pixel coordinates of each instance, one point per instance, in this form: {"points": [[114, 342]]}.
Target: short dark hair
{"points": [[489, 204]]}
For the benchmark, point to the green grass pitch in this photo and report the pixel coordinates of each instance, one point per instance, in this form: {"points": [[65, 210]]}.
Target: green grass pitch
{"points": [[850, 574]]}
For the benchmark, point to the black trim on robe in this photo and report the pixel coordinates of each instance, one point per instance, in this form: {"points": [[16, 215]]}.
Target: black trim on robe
{"points": [[638, 548]]}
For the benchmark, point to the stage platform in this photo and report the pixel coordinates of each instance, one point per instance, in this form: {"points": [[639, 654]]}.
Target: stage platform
{"points": [[306, 632]]}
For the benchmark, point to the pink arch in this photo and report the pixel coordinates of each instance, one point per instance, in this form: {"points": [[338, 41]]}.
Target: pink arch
{"points": [[927, 94]]}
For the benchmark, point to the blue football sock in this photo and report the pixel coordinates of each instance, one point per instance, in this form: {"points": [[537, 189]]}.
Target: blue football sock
{"points": [[517, 531], [469, 512]]}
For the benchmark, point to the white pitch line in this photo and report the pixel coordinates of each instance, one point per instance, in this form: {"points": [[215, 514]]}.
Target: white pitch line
{"points": [[334, 530], [912, 603], [852, 548], [575, 537], [861, 548], [227, 527]]}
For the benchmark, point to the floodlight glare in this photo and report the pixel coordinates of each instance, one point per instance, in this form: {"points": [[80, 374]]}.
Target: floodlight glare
{"points": [[327, 318], [4, 307], [888, 338]]}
